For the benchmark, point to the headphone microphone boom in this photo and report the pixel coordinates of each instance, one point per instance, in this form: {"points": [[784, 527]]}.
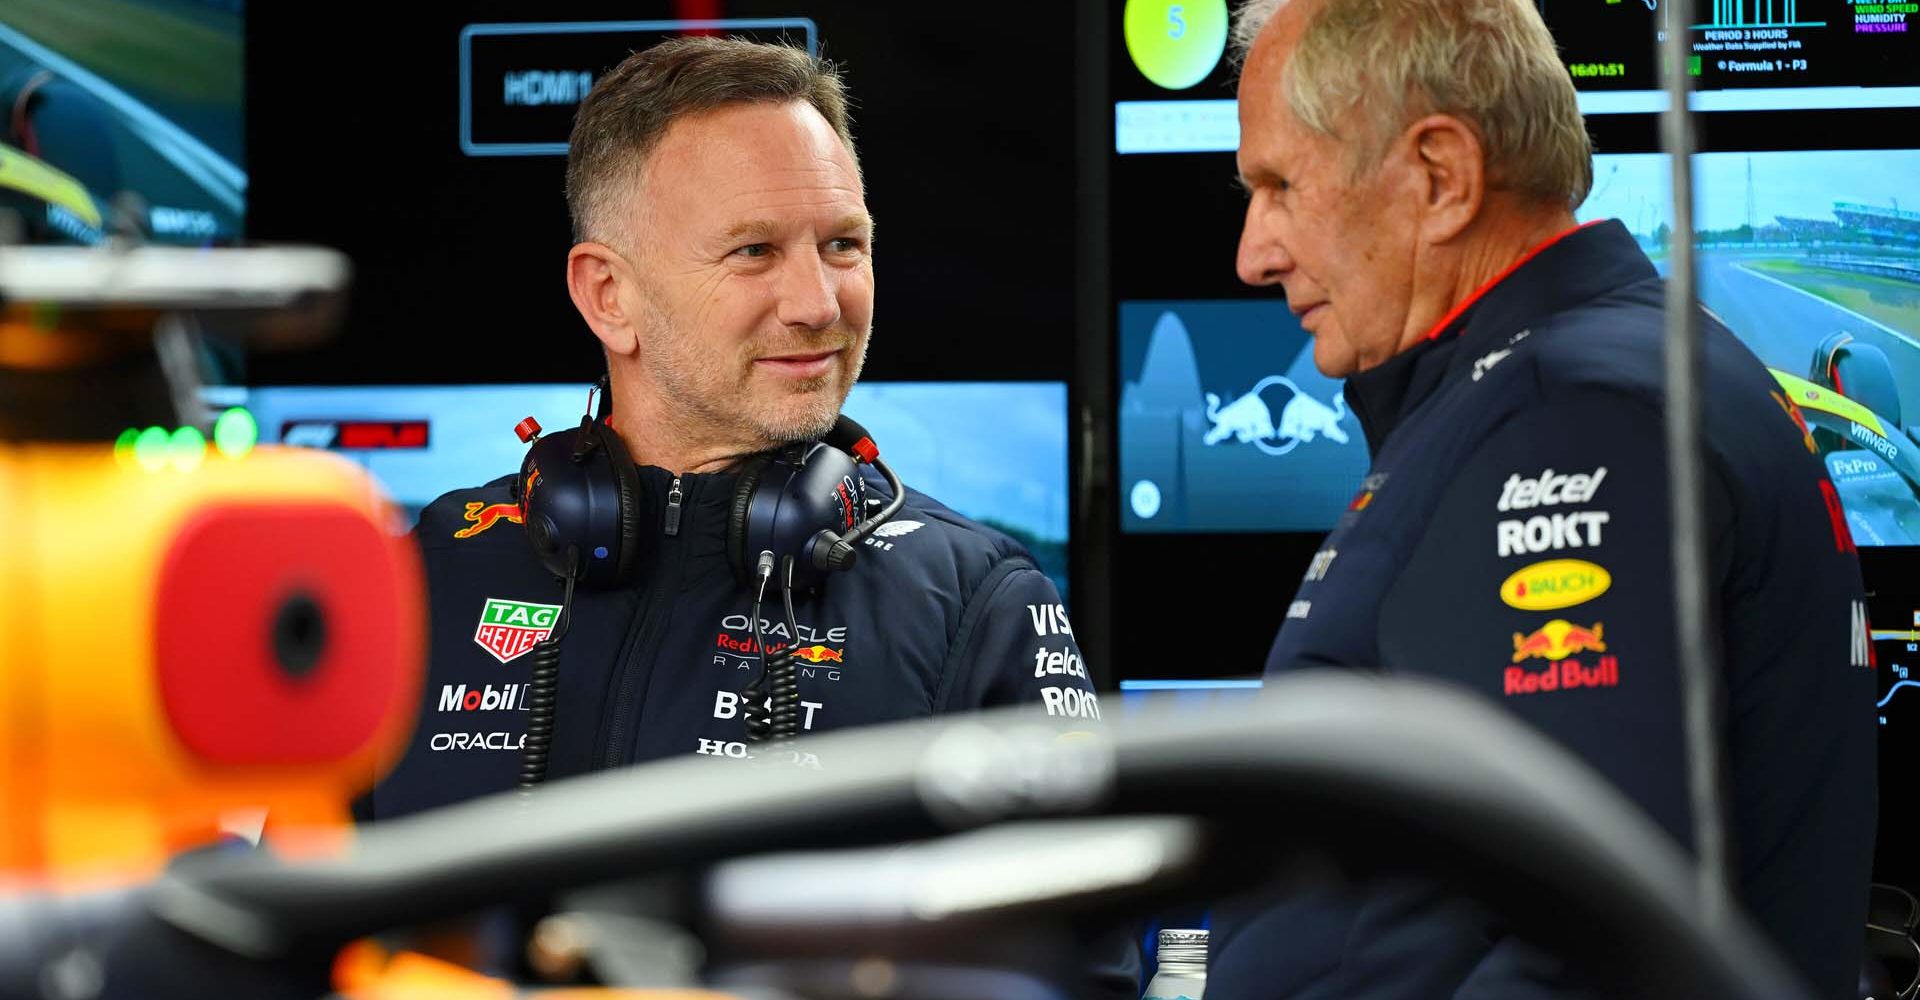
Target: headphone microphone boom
{"points": [[828, 550]]}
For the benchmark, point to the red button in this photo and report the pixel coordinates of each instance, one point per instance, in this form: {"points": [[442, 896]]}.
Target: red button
{"points": [[229, 575]]}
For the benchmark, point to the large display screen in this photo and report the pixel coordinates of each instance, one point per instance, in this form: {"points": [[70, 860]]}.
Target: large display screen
{"points": [[1803, 254], [122, 116], [1225, 424], [1611, 44], [1224, 445], [995, 452], [1892, 578]]}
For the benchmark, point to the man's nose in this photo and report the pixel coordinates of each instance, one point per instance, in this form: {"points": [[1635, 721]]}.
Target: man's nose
{"points": [[1261, 260], [809, 293]]}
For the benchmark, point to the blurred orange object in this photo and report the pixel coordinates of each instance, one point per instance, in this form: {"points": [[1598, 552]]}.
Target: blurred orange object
{"points": [[184, 645]]}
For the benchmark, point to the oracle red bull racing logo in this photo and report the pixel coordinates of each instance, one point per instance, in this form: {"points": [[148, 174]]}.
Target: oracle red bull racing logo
{"points": [[510, 629], [823, 650], [1561, 643]]}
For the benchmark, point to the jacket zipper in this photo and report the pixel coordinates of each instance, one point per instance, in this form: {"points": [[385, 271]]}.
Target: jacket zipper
{"points": [[614, 753]]}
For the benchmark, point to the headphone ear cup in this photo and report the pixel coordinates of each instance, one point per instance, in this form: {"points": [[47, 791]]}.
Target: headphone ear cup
{"points": [[626, 489], [738, 512]]}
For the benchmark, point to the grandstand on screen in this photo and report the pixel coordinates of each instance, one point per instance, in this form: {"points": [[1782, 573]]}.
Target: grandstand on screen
{"points": [[1852, 223], [1888, 225]]}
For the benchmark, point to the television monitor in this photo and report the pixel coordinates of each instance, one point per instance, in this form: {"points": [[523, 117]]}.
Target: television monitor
{"points": [[1808, 255], [1173, 88], [123, 116], [1225, 424], [1757, 54], [995, 452], [1892, 576], [1807, 238]]}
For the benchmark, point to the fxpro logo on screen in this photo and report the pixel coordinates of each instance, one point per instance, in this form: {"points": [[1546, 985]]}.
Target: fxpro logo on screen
{"points": [[1225, 425]]}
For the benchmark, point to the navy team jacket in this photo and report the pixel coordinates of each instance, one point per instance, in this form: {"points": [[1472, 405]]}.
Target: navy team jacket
{"points": [[1513, 538], [938, 614]]}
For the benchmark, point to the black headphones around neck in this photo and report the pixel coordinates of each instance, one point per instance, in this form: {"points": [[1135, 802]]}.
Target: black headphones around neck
{"points": [[795, 512], [589, 520]]}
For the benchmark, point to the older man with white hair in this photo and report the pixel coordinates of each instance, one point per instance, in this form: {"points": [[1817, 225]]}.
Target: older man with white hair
{"points": [[1412, 168]]}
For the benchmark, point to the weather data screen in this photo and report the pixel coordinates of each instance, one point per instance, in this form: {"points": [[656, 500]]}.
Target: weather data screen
{"points": [[1612, 44]]}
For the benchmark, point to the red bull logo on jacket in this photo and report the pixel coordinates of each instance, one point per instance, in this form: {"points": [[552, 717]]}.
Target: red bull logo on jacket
{"points": [[819, 654], [485, 515], [1565, 675], [1557, 640], [1560, 643]]}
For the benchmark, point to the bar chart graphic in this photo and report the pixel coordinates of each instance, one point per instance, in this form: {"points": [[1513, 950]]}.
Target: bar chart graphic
{"points": [[1757, 14]]}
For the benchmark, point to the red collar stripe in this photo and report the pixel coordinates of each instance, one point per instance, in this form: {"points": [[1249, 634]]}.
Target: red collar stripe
{"points": [[1479, 293]]}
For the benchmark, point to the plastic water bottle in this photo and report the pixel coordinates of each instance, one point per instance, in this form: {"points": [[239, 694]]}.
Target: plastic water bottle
{"points": [[1183, 966]]}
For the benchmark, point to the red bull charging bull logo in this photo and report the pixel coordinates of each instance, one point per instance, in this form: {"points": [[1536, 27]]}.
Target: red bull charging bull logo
{"points": [[485, 515], [1249, 419], [1557, 640], [819, 654], [1560, 643]]}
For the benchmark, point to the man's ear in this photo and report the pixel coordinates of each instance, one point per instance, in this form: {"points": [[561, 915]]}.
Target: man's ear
{"points": [[596, 276], [1453, 170]]}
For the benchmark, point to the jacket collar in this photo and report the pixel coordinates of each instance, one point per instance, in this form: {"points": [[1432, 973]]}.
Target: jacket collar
{"points": [[1572, 267]]}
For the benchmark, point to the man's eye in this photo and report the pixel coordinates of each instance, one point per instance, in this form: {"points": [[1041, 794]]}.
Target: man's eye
{"points": [[846, 244], [755, 250]]}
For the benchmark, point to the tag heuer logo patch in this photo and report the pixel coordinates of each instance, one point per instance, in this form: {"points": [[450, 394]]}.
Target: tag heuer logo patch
{"points": [[509, 629]]}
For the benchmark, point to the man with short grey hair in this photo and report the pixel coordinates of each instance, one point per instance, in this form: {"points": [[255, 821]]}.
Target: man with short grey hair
{"points": [[1412, 168]]}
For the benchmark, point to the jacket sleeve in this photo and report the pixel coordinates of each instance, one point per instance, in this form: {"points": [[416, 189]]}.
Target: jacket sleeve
{"points": [[1015, 646], [1544, 581]]}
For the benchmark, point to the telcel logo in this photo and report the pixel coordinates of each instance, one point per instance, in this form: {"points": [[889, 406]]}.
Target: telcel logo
{"points": [[1555, 583]]}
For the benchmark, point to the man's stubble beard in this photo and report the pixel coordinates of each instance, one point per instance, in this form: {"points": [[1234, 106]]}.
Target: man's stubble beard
{"points": [[707, 397]]}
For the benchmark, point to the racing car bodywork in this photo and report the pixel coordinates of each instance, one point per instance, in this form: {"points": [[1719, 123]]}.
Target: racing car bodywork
{"points": [[1851, 406]]}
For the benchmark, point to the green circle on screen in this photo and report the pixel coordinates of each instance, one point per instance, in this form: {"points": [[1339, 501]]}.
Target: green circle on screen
{"points": [[1176, 44]]}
